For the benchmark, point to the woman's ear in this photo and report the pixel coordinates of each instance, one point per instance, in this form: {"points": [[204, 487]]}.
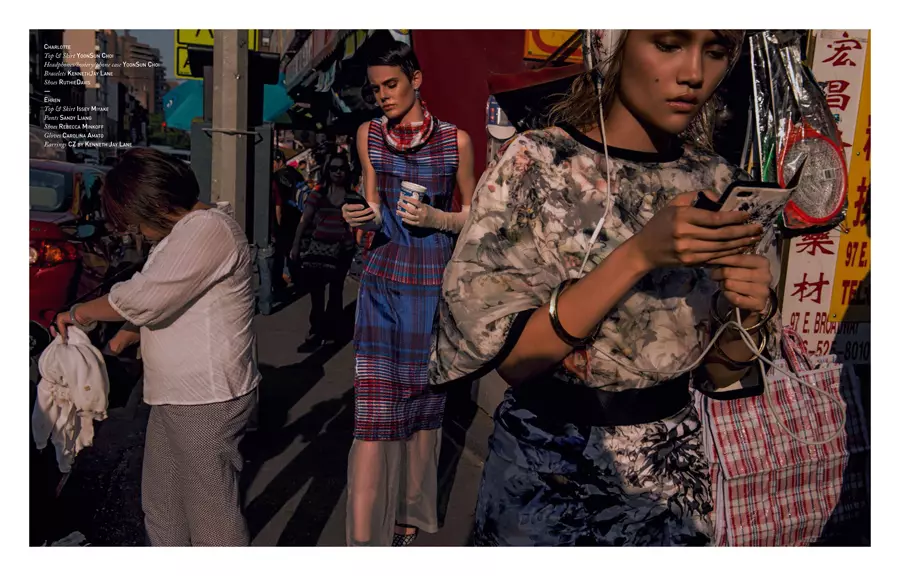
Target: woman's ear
{"points": [[417, 79]]}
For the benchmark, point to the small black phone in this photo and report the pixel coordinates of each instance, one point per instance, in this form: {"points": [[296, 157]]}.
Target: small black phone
{"points": [[355, 199]]}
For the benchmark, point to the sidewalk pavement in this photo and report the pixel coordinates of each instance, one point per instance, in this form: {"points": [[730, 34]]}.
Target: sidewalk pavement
{"points": [[296, 473]]}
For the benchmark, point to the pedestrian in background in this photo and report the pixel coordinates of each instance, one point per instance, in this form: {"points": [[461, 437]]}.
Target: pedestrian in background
{"points": [[329, 254], [285, 184], [392, 478], [191, 309]]}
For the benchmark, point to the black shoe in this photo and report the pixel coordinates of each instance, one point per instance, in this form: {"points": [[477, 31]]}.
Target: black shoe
{"points": [[404, 539]]}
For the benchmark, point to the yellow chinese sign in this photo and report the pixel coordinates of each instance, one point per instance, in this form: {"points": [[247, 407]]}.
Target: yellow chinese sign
{"points": [[541, 44], [851, 296], [185, 39]]}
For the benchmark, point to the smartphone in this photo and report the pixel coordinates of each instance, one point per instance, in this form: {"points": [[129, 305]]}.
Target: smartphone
{"points": [[355, 199], [763, 200]]}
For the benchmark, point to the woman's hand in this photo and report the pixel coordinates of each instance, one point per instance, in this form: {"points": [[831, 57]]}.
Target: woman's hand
{"points": [[745, 280], [415, 213], [122, 340], [73, 317], [61, 325], [681, 235], [356, 215]]}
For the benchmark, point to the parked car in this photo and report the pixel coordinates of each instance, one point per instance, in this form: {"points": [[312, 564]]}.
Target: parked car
{"points": [[73, 254]]}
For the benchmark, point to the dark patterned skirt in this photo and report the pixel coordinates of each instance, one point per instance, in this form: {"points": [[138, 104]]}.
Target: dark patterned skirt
{"points": [[392, 340], [550, 483]]}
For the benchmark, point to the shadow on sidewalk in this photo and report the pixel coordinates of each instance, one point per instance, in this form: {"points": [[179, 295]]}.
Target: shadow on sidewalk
{"points": [[286, 296], [327, 427], [459, 414]]}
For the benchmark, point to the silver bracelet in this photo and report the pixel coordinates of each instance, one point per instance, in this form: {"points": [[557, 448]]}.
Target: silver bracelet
{"points": [[84, 327]]}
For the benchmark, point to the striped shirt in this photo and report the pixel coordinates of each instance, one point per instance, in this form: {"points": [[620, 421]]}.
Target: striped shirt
{"points": [[329, 224], [194, 304]]}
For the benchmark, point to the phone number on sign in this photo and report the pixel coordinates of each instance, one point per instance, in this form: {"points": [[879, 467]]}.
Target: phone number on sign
{"points": [[854, 352], [841, 338]]}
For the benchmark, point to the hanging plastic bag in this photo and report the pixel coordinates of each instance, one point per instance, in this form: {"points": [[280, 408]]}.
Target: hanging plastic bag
{"points": [[804, 130]]}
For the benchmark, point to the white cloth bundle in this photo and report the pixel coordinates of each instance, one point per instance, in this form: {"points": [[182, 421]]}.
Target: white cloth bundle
{"points": [[72, 393]]}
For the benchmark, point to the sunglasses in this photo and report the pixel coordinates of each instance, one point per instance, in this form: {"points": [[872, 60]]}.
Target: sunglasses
{"points": [[337, 168]]}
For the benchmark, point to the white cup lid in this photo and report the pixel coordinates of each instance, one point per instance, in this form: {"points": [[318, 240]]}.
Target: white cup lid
{"points": [[413, 187]]}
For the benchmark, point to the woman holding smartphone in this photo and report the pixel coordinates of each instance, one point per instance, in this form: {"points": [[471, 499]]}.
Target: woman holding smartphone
{"points": [[587, 279], [330, 252], [392, 484]]}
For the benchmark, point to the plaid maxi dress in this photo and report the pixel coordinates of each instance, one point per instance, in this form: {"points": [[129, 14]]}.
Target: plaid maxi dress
{"points": [[399, 292]]}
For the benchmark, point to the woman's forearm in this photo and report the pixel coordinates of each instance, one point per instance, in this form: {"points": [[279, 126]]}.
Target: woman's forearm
{"points": [[97, 310], [581, 307], [719, 370]]}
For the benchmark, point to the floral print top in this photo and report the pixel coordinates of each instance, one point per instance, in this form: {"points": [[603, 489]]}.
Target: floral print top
{"points": [[532, 217]]}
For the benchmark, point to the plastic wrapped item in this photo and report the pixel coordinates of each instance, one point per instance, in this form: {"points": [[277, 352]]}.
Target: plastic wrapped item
{"points": [[794, 124], [821, 197], [597, 48], [763, 112]]}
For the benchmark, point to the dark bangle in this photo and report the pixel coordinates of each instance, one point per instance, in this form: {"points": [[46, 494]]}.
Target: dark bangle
{"points": [[768, 313], [557, 326], [743, 363]]}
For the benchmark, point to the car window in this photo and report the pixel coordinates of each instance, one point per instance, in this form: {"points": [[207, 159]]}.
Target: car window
{"points": [[48, 190]]}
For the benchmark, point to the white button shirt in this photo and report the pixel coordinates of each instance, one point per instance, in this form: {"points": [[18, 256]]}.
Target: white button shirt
{"points": [[194, 304]]}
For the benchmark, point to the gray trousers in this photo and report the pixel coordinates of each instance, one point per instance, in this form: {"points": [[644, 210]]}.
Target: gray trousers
{"points": [[189, 486]]}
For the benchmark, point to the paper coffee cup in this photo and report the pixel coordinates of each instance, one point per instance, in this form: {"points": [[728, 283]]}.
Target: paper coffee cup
{"points": [[411, 190]]}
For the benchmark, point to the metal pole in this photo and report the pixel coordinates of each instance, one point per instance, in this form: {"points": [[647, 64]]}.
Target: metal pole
{"points": [[229, 118]]}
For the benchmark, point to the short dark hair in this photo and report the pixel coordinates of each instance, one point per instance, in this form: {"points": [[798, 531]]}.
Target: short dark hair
{"points": [[398, 54], [146, 187]]}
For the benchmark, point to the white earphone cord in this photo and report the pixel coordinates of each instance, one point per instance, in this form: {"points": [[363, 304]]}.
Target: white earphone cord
{"points": [[746, 337]]}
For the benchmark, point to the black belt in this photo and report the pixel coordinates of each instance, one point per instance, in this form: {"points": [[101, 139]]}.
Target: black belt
{"points": [[554, 400]]}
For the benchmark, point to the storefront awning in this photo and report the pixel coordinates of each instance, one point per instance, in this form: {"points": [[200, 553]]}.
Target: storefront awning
{"points": [[526, 97], [314, 61], [500, 83], [184, 103]]}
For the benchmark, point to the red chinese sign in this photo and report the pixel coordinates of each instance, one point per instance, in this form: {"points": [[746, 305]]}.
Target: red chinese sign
{"points": [[810, 290], [810, 243], [835, 94], [843, 50]]}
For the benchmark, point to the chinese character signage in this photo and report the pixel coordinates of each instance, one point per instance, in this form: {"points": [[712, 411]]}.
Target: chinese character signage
{"points": [[826, 292], [851, 298], [838, 67]]}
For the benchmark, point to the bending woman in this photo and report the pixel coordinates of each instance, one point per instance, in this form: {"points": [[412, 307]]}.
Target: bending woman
{"points": [[392, 485], [191, 308], [598, 442]]}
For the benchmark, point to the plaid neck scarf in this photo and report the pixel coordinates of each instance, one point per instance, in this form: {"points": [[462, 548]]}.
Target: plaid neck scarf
{"points": [[403, 138]]}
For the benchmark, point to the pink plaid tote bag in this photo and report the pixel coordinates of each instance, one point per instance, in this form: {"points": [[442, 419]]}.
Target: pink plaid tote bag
{"points": [[789, 467]]}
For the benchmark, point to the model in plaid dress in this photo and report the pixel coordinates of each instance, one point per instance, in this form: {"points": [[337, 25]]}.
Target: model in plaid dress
{"points": [[400, 287], [393, 463]]}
